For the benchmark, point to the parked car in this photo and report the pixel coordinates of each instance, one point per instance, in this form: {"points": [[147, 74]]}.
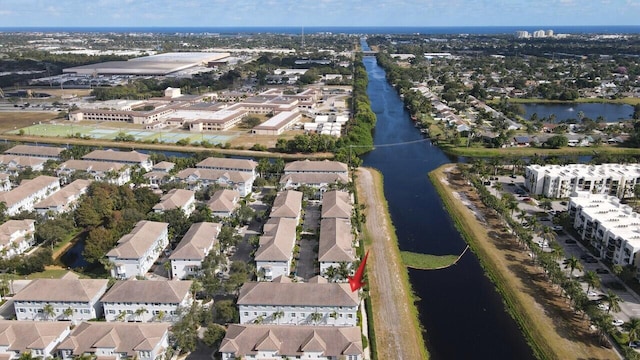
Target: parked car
{"points": [[557, 228], [617, 322], [603, 306], [592, 293], [569, 241], [591, 260], [634, 344], [602, 271]]}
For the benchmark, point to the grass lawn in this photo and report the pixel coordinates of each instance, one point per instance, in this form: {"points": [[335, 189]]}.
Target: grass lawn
{"points": [[529, 151], [426, 261], [19, 119]]}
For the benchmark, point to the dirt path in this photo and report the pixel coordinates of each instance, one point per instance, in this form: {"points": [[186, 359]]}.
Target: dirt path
{"points": [[390, 296]]}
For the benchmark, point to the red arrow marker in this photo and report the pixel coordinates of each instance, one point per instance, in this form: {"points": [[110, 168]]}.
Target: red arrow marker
{"points": [[355, 281]]}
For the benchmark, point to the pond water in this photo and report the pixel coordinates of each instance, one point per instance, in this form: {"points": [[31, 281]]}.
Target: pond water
{"points": [[610, 112]]}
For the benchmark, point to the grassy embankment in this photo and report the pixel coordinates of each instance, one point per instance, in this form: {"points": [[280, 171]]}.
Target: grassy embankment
{"points": [[530, 151], [472, 231], [628, 100], [427, 261], [402, 272]]}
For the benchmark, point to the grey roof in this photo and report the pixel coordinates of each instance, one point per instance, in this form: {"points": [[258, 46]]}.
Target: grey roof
{"points": [[315, 166], [287, 204], [335, 241], [36, 151], [123, 337], [196, 241], [336, 204], [174, 199], [314, 178], [30, 335], [224, 200], [227, 163], [297, 294], [277, 242], [148, 291], [66, 289], [292, 340], [117, 156], [138, 241], [26, 188]]}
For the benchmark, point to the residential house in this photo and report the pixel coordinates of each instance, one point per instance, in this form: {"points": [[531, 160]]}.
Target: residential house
{"points": [[240, 181], [336, 204], [335, 245], [325, 166], [36, 338], [5, 182], [262, 342], [117, 341], [16, 237], [111, 172], [46, 152], [29, 193], [320, 181], [184, 200], [196, 244], [13, 164], [521, 141], [228, 164], [137, 251], [275, 252], [223, 202], [284, 302], [64, 200], [131, 158], [68, 298], [160, 173], [146, 300], [287, 204]]}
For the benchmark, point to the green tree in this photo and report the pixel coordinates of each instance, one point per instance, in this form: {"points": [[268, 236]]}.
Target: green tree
{"points": [[613, 300], [557, 141], [225, 312], [213, 335], [592, 279], [633, 328], [48, 311], [572, 263]]}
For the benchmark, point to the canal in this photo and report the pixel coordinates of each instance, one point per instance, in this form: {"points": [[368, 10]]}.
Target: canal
{"points": [[462, 314]]}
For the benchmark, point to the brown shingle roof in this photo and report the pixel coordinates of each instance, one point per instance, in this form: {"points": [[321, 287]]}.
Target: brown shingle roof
{"points": [[148, 291], [66, 289], [336, 204], [227, 163], [174, 199], [297, 294], [136, 243], [315, 166], [223, 200], [9, 227], [26, 188], [214, 175], [200, 236], [287, 204], [335, 241], [314, 178], [29, 335], [37, 151], [116, 156], [277, 242]]}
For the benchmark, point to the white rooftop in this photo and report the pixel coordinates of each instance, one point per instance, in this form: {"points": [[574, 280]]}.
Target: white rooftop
{"points": [[619, 219]]}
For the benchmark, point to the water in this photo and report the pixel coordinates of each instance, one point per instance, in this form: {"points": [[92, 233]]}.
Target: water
{"points": [[462, 313], [610, 112], [73, 256]]}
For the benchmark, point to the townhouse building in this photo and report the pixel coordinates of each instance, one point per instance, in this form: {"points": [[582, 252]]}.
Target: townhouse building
{"points": [[116, 340], [64, 200], [275, 251], [160, 173], [182, 199], [46, 152], [131, 158], [39, 339], [262, 342], [229, 164], [320, 181], [136, 252], [66, 299], [287, 204], [335, 246], [30, 192], [224, 202], [283, 302], [197, 178], [146, 300], [16, 237], [111, 172], [5, 182], [316, 167], [14, 164], [196, 244], [336, 204]]}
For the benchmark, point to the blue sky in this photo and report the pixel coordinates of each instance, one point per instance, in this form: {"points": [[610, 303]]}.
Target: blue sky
{"points": [[318, 12]]}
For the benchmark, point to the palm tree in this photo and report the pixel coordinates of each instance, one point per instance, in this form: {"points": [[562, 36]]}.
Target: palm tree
{"points": [[498, 186], [68, 313], [160, 315], [572, 263], [139, 313], [277, 316], [592, 279], [121, 316], [259, 319], [315, 317], [633, 328], [48, 311], [613, 300]]}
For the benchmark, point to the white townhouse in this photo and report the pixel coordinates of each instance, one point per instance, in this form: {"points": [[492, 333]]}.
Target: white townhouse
{"points": [[284, 302], [267, 342], [196, 244], [137, 251], [29, 193], [69, 298], [16, 237], [336, 204], [196, 179], [182, 199], [116, 341], [611, 227], [64, 200], [15, 164], [316, 167], [275, 252], [160, 173], [228, 164], [37, 338], [146, 300], [130, 158], [46, 152], [560, 181], [320, 181], [111, 172], [223, 202], [5, 182], [287, 204], [335, 245]]}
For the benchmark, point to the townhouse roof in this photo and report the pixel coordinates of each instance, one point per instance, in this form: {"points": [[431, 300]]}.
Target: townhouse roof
{"points": [[227, 163], [223, 200], [128, 338], [22, 161], [277, 242], [35, 151], [287, 204], [336, 204], [137, 242], [175, 199], [315, 166], [288, 293], [28, 335], [27, 188], [197, 242], [91, 165], [335, 241], [156, 174], [164, 166], [314, 178], [62, 196], [117, 156], [148, 291], [291, 340], [10, 227], [214, 175], [65, 289]]}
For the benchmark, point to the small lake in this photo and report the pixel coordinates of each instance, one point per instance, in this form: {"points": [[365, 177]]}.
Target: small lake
{"points": [[611, 112]]}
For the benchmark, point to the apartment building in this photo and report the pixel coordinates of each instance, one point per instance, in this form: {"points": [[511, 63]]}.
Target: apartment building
{"points": [[131, 158], [196, 244], [275, 252], [224, 202], [287, 204], [30, 192], [46, 152], [39, 339], [64, 200], [241, 181], [16, 237], [111, 172], [316, 167], [335, 244], [182, 199], [136, 252]]}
